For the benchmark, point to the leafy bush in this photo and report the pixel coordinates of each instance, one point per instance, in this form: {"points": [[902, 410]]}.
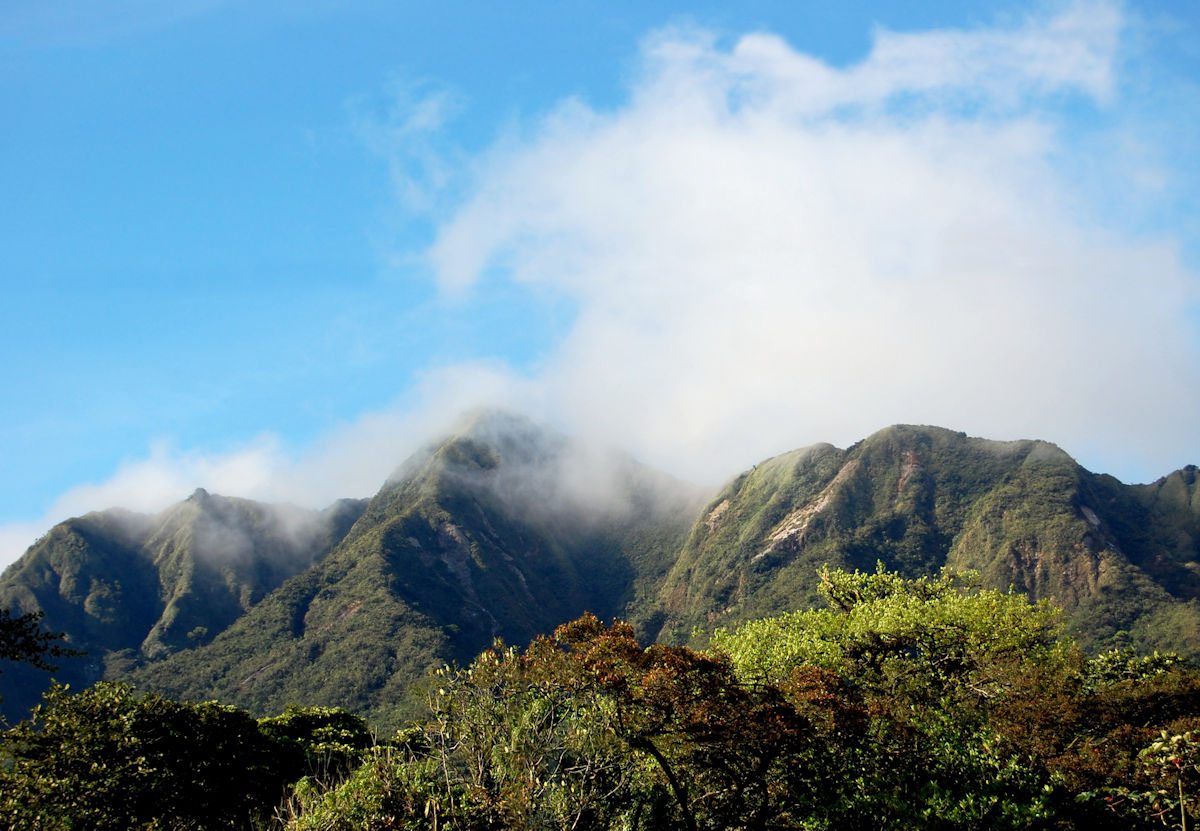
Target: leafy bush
{"points": [[325, 742], [109, 758]]}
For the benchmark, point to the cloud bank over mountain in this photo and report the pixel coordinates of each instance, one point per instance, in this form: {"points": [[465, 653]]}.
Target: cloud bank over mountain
{"points": [[765, 250], [762, 250]]}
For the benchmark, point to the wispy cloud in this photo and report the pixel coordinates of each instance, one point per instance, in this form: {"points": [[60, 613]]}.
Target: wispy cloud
{"points": [[764, 251], [351, 460], [405, 128]]}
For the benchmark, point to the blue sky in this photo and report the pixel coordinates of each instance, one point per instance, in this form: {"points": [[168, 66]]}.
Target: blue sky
{"points": [[267, 248]]}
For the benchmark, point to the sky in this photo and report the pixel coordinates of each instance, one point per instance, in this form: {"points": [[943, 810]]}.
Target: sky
{"points": [[270, 248]]}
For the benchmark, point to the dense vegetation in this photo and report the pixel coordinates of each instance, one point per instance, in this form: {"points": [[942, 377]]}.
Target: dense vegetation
{"points": [[108, 758], [920, 703]]}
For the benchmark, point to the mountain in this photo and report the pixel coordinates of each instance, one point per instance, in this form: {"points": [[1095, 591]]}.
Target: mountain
{"points": [[502, 529], [1122, 561], [505, 529], [130, 587]]}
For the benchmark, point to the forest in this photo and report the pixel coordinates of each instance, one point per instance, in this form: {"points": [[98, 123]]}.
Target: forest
{"points": [[924, 703]]}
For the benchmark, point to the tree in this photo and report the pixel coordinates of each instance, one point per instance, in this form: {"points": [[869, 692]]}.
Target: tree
{"points": [[904, 704], [22, 639], [732, 755], [109, 758], [927, 663], [526, 743], [511, 741], [1173, 762], [323, 742], [587, 729]]}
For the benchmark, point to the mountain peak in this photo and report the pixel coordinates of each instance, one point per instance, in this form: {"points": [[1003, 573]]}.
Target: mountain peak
{"points": [[486, 421], [901, 437], [483, 439], [513, 436]]}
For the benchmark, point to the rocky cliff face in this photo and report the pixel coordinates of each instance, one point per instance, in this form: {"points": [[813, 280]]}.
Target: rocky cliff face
{"points": [[1120, 560]]}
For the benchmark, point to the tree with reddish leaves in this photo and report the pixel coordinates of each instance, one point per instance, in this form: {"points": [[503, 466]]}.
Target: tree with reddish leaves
{"points": [[731, 755]]}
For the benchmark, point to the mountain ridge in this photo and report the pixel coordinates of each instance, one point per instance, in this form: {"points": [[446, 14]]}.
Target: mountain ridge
{"points": [[478, 536], [127, 587], [505, 528], [1022, 513]]}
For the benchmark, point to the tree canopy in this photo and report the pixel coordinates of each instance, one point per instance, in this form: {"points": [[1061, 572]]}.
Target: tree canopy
{"points": [[903, 703]]}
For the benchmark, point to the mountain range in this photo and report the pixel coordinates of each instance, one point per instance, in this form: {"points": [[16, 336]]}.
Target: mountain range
{"points": [[505, 529]]}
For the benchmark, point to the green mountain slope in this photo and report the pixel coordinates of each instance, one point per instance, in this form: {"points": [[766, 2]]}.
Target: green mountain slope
{"points": [[129, 587], [1121, 560], [505, 529], [501, 530]]}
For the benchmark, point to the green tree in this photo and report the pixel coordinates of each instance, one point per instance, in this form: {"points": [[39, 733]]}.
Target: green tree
{"points": [[925, 664], [903, 704], [324, 742], [511, 741], [588, 730], [731, 755], [526, 743], [1173, 763], [109, 758]]}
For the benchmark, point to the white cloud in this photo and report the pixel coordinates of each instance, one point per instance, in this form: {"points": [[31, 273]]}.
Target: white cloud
{"points": [[352, 460], [766, 251], [403, 130]]}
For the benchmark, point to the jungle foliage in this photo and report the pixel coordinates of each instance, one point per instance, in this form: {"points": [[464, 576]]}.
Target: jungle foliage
{"points": [[908, 704], [902, 703], [111, 759]]}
